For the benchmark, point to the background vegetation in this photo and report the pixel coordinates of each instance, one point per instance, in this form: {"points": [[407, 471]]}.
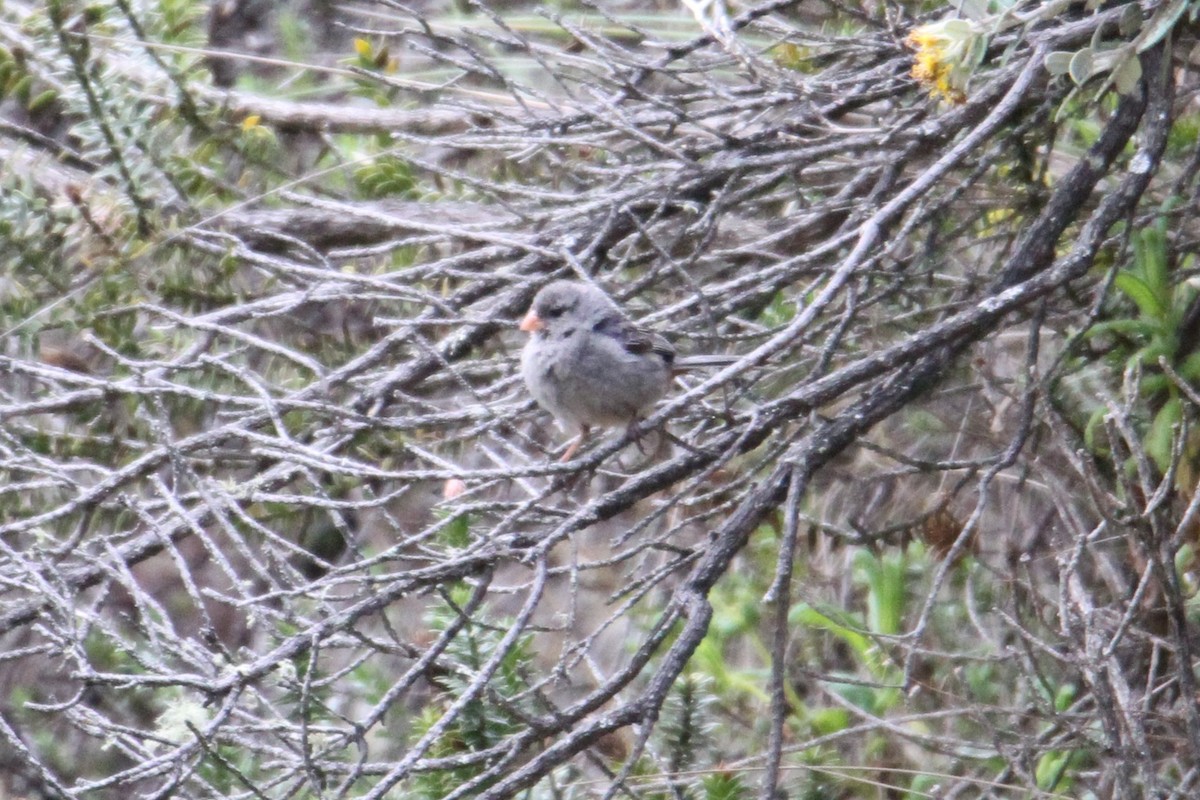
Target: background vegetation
{"points": [[278, 519]]}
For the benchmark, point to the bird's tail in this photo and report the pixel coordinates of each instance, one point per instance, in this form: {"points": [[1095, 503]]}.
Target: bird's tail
{"points": [[687, 363]]}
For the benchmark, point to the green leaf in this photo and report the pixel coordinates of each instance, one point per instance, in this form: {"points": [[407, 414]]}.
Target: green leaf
{"points": [[1141, 293], [1127, 75], [1065, 695], [808, 616], [958, 28], [1050, 769], [1132, 328], [1082, 66], [857, 694], [1159, 347], [1150, 257], [1093, 429], [976, 10], [1185, 557], [1058, 63], [22, 88], [1189, 370], [1161, 435], [1130, 22], [1161, 24], [885, 596], [44, 98], [1153, 384], [829, 720], [977, 49]]}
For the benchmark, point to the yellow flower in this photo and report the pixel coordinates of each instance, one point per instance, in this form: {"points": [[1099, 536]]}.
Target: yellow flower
{"points": [[947, 52]]}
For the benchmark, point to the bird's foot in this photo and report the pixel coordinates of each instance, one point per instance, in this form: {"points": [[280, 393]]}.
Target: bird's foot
{"points": [[575, 445], [634, 435]]}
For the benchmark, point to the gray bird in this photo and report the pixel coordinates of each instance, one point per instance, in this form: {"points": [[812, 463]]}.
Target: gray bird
{"points": [[588, 365]]}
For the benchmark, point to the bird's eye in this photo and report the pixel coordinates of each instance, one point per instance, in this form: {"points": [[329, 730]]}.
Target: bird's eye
{"points": [[554, 312]]}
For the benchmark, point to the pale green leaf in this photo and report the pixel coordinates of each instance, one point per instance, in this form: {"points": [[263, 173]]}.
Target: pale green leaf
{"points": [[1128, 75], [1058, 62], [1082, 65]]}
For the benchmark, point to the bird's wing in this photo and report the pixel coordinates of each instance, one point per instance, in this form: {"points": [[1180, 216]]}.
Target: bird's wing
{"points": [[638, 341]]}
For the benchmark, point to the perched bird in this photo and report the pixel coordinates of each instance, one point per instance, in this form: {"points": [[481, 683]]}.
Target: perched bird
{"points": [[588, 365]]}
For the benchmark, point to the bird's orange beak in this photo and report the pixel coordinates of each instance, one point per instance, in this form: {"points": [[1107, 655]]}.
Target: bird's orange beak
{"points": [[532, 322]]}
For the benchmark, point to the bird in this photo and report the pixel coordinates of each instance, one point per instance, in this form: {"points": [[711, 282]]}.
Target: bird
{"points": [[589, 366]]}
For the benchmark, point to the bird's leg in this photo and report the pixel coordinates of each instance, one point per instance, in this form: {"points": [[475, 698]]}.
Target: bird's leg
{"points": [[575, 445], [632, 433]]}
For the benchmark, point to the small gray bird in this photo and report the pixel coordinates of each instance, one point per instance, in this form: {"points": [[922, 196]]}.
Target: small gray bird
{"points": [[588, 365]]}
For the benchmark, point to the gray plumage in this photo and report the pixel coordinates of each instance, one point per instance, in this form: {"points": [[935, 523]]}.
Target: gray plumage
{"points": [[589, 366], [586, 364]]}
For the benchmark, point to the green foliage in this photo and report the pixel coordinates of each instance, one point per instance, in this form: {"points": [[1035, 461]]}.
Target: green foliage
{"points": [[386, 176], [295, 34], [780, 311], [457, 531], [230, 768], [1148, 336], [794, 57], [686, 722], [725, 785], [884, 578], [481, 723], [35, 234], [737, 613], [1184, 135], [369, 58], [1054, 769], [176, 21]]}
